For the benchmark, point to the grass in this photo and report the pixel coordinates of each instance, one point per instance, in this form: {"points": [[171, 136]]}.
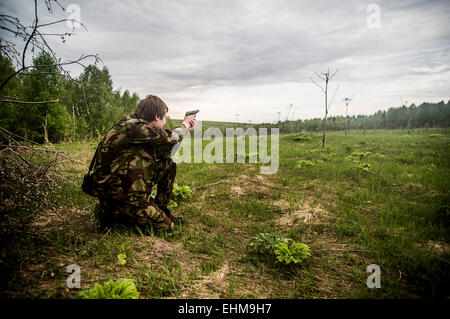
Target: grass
{"points": [[380, 197]]}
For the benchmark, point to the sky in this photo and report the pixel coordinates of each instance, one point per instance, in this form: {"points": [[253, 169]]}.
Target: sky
{"points": [[249, 60]]}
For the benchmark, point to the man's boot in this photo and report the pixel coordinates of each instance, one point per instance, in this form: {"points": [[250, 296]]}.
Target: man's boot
{"points": [[101, 221], [176, 220]]}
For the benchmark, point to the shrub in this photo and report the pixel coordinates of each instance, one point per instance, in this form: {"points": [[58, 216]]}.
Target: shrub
{"points": [[300, 137], [348, 149], [291, 251], [304, 163], [178, 193], [361, 156], [181, 192], [284, 249], [120, 289], [364, 167], [265, 242]]}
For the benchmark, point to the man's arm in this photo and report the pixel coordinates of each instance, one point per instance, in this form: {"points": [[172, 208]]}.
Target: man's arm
{"points": [[162, 140]]}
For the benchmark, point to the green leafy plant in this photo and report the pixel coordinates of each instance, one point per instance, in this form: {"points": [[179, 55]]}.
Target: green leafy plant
{"points": [[361, 156], [348, 149], [265, 242], [284, 249], [364, 167], [121, 259], [172, 204], [120, 289], [125, 251], [178, 193], [304, 163], [300, 137], [181, 192], [291, 252]]}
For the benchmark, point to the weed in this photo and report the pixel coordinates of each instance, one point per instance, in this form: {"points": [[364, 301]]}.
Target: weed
{"points": [[304, 163], [120, 289], [291, 252]]}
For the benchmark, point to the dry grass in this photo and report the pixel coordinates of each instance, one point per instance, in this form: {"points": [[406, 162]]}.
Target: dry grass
{"points": [[306, 214]]}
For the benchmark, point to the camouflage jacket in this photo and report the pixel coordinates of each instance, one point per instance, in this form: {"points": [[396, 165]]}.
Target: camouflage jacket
{"points": [[126, 161]]}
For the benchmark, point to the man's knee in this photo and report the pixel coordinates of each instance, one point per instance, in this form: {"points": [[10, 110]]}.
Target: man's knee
{"points": [[129, 215]]}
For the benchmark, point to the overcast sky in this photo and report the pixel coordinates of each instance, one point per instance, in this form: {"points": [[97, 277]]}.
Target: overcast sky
{"points": [[255, 58]]}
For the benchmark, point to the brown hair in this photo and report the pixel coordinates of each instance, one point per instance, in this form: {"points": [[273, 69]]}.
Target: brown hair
{"points": [[150, 107]]}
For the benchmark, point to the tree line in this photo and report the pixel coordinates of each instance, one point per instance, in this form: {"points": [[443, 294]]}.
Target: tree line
{"points": [[56, 108], [86, 107], [425, 115]]}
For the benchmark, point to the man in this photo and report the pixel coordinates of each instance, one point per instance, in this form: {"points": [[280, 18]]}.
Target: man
{"points": [[132, 158]]}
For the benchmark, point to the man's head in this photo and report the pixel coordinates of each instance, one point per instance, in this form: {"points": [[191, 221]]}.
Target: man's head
{"points": [[153, 110]]}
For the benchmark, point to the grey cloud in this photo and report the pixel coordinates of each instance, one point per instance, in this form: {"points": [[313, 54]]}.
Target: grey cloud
{"points": [[172, 45]]}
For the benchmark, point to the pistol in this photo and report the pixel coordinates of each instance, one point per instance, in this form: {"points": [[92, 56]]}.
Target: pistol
{"points": [[192, 112]]}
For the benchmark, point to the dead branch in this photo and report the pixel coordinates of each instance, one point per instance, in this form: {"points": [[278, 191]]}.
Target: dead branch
{"points": [[207, 185], [332, 99], [317, 84], [30, 174], [32, 33], [37, 40]]}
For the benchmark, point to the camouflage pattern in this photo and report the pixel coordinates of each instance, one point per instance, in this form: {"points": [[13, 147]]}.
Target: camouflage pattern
{"points": [[110, 212], [131, 159]]}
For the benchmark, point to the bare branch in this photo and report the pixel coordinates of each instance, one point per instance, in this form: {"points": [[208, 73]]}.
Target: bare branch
{"points": [[333, 74], [63, 20], [318, 75], [32, 33], [317, 84], [333, 96], [81, 58]]}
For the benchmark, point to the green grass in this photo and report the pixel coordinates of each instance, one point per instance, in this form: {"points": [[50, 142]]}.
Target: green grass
{"points": [[379, 197]]}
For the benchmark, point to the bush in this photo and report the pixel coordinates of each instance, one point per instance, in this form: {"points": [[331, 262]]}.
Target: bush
{"points": [[266, 243], [178, 193], [181, 192], [285, 250], [120, 289], [364, 167], [300, 137], [348, 149], [291, 251], [304, 163]]}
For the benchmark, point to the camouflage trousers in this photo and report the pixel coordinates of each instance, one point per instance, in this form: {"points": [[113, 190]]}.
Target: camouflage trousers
{"points": [[141, 213]]}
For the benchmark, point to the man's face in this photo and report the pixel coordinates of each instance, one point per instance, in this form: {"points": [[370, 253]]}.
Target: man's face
{"points": [[159, 123]]}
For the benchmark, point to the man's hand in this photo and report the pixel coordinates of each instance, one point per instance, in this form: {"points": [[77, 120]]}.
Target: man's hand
{"points": [[189, 122]]}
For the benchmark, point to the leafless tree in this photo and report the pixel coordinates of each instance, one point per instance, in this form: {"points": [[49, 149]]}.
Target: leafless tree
{"points": [[327, 77], [405, 104], [347, 101]]}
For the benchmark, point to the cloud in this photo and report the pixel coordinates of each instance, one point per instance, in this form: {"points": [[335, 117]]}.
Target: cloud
{"points": [[256, 57]]}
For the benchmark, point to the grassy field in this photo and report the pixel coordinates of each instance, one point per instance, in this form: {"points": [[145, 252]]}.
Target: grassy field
{"points": [[376, 198]]}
